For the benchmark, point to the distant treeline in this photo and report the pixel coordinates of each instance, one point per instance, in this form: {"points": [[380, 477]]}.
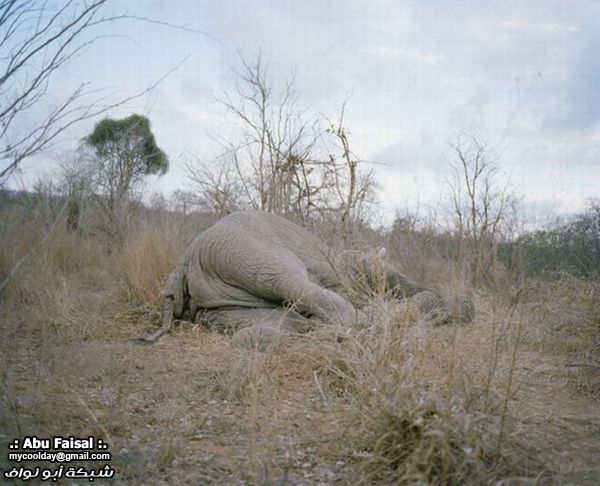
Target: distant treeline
{"points": [[571, 247]]}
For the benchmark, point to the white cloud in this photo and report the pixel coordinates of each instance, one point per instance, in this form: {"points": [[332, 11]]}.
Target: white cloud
{"points": [[521, 74]]}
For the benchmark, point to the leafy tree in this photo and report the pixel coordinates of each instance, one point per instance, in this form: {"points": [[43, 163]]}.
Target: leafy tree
{"points": [[123, 152], [130, 143]]}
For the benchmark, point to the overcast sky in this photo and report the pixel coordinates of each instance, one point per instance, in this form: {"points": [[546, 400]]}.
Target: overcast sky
{"points": [[522, 75]]}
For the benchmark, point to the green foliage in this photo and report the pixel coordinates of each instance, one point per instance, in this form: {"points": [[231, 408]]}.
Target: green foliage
{"points": [[131, 140], [123, 153], [572, 247]]}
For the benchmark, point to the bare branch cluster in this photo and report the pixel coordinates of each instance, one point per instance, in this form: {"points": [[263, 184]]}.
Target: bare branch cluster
{"points": [[284, 159], [483, 206], [217, 188], [37, 39]]}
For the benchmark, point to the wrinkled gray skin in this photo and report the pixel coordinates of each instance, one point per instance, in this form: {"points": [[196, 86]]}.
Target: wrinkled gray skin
{"points": [[262, 275]]}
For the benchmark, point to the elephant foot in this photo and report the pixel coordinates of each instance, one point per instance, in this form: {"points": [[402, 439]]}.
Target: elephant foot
{"points": [[256, 337], [431, 307], [437, 311], [461, 308]]}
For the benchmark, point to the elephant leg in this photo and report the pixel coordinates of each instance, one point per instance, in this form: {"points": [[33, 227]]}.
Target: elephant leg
{"points": [[401, 285], [256, 328], [257, 337], [311, 299], [437, 310], [232, 320], [431, 307], [277, 275], [461, 308]]}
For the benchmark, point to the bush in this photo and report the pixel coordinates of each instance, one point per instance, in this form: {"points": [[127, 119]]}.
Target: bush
{"points": [[572, 247]]}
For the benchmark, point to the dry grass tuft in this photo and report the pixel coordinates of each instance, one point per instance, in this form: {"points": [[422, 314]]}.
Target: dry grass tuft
{"points": [[147, 257], [509, 397], [565, 323], [424, 444]]}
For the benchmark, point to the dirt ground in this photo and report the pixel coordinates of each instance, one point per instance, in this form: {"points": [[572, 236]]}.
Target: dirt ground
{"points": [[193, 410]]}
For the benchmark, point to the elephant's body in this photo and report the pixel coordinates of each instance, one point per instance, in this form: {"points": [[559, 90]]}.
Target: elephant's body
{"points": [[252, 267]]}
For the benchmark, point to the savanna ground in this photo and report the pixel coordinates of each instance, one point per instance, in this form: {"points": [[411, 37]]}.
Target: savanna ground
{"points": [[509, 398]]}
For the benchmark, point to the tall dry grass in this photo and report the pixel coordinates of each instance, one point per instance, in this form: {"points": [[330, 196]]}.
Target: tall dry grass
{"points": [[414, 405], [395, 402], [72, 284]]}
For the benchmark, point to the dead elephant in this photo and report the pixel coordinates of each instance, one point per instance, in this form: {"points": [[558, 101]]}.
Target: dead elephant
{"points": [[257, 275]]}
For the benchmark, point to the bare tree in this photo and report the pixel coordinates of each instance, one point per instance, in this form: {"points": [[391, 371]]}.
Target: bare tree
{"points": [[287, 160], [75, 181], [184, 202], [36, 40], [483, 206], [46, 205], [354, 188], [218, 189], [276, 140]]}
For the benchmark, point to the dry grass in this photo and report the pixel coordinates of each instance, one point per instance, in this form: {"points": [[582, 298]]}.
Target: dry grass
{"points": [[149, 254], [511, 397]]}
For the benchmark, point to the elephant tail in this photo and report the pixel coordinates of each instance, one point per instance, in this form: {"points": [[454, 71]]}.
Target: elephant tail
{"points": [[167, 321], [173, 303]]}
